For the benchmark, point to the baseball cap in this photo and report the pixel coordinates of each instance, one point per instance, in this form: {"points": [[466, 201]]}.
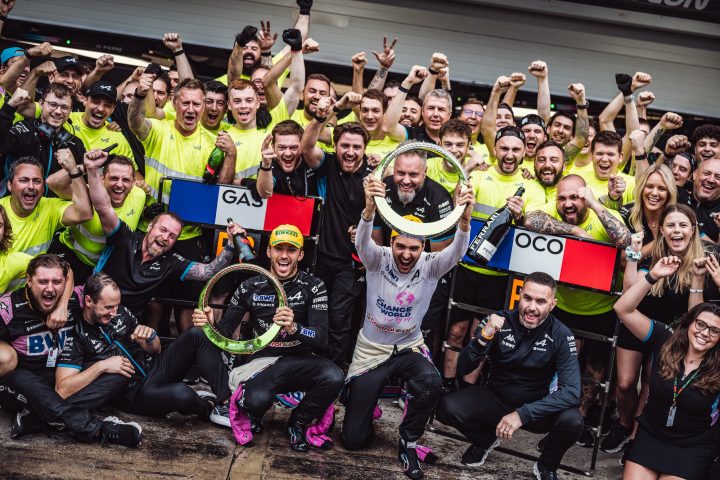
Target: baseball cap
{"points": [[532, 119], [102, 88], [510, 131], [412, 218], [286, 234], [9, 53], [68, 61]]}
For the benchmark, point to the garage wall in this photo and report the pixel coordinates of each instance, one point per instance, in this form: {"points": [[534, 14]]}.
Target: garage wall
{"points": [[482, 39]]}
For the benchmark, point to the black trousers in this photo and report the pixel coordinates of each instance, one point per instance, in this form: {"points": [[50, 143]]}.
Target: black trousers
{"points": [[345, 287], [38, 389], [318, 377], [477, 410], [361, 395], [163, 391]]}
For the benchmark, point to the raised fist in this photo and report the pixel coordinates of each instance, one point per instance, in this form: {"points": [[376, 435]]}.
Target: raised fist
{"points": [[293, 38], [417, 74], [493, 325], [637, 138], [19, 98], [104, 63], [538, 69], [502, 84], [616, 187], [577, 93], [66, 160], [640, 79], [517, 80], [644, 99], [310, 46], [624, 83], [676, 144], [324, 106], [438, 61], [359, 60], [95, 159], [671, 121], [46, 68], [305, 6], [173, 41], [41, 50], [349, 100], [248, 34], [144, 84]]}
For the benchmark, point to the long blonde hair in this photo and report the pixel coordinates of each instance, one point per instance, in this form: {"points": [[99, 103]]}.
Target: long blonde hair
{"points": [[680, 281], [636, 213]]}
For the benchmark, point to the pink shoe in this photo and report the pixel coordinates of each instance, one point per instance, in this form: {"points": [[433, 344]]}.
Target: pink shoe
{"points": [[317, 434], [239, 422], [377, 412]]}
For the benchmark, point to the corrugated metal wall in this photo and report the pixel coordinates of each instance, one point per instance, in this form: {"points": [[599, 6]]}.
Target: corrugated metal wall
{"points": [[481, 41]]}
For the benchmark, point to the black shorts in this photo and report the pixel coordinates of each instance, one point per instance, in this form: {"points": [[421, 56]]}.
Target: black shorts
{"points": [[628, 341], [691, 463], [473, 288]]}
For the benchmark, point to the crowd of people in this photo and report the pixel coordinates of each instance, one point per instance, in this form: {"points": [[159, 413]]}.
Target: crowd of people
{"points": [[87, 242]]}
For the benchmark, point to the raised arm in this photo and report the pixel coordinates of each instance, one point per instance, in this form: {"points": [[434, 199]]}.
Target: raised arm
{"points": [[293, 59], [446, 259], [391, 123], [582, 122], [643, 100], [94, 160], [103, 65], [669, 121], [626, 306], [43, 70], [438, 61], [137, 120], [264, 184], [235, 61], [631, 266], [487, 125], [204, 271], [539, 70], [173, 42], [370, 253], [541, 222], [614, 227], [5, 7], [386, 60], [80, 210], [359, 60], [639, 157], [312, 154], [517, 80]]}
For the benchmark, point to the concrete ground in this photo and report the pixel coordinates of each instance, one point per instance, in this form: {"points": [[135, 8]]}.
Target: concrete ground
{"points": [[187, 447]]}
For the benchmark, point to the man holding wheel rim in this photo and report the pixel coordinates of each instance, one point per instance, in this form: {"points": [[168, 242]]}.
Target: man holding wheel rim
{"points": [[400, 282], [289, 363]]}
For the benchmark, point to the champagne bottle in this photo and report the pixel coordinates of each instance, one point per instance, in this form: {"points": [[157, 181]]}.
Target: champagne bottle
{"points": [[243, 245], [487, 241], [213, 165]]}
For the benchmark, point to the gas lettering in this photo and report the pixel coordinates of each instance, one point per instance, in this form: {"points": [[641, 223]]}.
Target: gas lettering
{"points": [[240, 197]]}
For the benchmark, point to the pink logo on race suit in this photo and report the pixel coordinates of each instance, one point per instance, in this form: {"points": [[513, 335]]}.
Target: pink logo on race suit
{"points": [[405, 298]]}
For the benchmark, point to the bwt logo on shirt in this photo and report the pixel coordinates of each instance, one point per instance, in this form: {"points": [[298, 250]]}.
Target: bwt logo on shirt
{"points": [[39, 344], [263, 298]]}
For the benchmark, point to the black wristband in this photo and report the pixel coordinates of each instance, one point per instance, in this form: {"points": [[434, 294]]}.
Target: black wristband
{"points": [[641, 157], [76, 175], [178, 53], [582, 106], [403, 89], [137, 95], [3, 18], [265, 169], [266, 54], [650, 279], [432, 72], [336, 109]]}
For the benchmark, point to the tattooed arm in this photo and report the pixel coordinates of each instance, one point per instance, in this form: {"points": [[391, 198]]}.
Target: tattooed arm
{"points": [[378, 81], [616, 230], [582, 124], [541, 222], [204, 271]]}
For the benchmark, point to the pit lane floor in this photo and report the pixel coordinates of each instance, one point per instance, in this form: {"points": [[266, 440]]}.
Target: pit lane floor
{"points": [[186, 447]]}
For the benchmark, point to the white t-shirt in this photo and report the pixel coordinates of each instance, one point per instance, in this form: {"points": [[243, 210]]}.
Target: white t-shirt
{"points": [[397, 302]]}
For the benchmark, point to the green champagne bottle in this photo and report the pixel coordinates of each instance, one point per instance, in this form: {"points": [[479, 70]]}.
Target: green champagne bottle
{"points": [[213, 165]]}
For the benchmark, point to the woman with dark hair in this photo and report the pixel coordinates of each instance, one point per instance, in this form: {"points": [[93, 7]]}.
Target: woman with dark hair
{"points": [[677, 235], [678, 431]]}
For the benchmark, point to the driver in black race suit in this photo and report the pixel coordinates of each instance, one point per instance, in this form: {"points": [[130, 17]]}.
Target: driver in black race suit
{"points": [[401, 280], [289, 363]]}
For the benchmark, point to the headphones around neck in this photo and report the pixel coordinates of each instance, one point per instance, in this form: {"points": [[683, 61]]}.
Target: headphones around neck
{"points": [[56, 138]]}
